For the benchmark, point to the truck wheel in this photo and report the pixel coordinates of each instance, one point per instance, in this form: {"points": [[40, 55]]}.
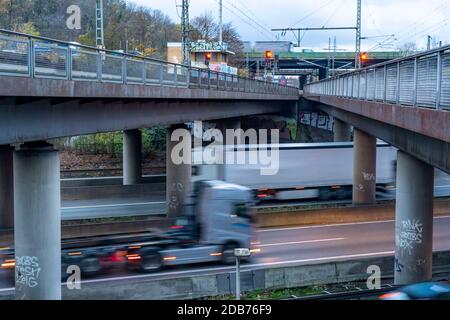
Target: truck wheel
{"points": [[151, 262], [228, 257], [90, 265]]}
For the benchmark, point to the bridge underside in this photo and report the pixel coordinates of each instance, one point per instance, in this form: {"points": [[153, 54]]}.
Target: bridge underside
{"points": [[420, 132], [34, 109], [25, 119]]}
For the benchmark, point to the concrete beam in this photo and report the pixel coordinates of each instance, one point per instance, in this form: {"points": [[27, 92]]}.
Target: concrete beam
{"points": [[178, 175], [37, 232], [342, 131], [6, 187], [429, 122], [30, 121], [29, 87], [414, 220], [364, 169], [132, 157]]}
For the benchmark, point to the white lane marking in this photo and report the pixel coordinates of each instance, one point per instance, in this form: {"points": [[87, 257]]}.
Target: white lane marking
{"points": [[336, 225], [298, 242], [244, 268], [114, 205]]}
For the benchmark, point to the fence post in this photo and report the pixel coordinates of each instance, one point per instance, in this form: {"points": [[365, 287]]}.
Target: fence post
{"points": [[439, 80], [161, 74], [69, 63], [31, 58], [124, 69], [416, 73], [144, 71]]}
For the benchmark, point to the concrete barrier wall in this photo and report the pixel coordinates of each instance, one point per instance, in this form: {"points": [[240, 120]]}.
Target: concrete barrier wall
{"points": [[346, 214], [191, 287], [111, 192]]}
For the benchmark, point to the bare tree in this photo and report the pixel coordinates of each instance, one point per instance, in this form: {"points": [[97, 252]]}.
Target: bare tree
{"points": [[408, 49], [204, 28]]}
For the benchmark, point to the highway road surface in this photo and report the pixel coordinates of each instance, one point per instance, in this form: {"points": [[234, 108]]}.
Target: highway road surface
{"points": [[154, 203], [300, 246]]}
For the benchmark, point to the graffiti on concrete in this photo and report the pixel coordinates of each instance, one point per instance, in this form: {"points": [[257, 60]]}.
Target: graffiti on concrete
{"points": [[410, 234], [27, 271]]}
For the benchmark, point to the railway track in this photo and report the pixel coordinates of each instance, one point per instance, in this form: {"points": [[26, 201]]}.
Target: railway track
{"points": [[359, 293]]}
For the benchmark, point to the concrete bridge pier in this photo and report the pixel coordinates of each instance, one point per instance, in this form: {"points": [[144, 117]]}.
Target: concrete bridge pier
{"points": [[6, 187], [37, 232], [178, 168], [364, 168], [342, 131], [132, 157], [414, 220]]}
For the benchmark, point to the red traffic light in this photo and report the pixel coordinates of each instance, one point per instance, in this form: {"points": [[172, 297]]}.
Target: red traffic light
{"points": [[208, 55], [269, 55], [364, 57]]}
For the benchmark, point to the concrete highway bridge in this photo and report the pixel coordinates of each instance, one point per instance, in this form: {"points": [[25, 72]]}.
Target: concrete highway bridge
{"points": [[51, 89], [405, 102]]}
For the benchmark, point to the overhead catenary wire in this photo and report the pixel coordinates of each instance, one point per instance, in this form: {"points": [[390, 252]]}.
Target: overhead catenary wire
{"points": [[250, 18], [246, 21]]}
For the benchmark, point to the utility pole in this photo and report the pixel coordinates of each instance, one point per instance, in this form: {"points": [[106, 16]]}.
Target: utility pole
{"points": [[99, 30], [333, 63], [220, 22], [185, 28], [329, 58], [358, 36]]}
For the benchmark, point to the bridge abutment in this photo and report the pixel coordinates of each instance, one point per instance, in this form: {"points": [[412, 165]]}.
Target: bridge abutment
{"points": [[414, 220], [342, 131], [178, 168], [37, 232], [6, 187], [364, 168], [132, 157]]}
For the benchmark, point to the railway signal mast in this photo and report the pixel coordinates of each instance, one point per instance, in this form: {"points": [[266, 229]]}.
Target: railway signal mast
{"points": [[185, 28], [99, 29], [358, 36], [220, 23]]}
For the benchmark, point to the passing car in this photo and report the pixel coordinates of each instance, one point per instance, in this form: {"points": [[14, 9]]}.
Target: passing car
{"points": [[420, 291]]}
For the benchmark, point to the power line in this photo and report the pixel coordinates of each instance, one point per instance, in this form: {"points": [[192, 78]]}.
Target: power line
{"points": [[311, 13], [250, 18], [334, 13], [245, 21], [253, 14]]}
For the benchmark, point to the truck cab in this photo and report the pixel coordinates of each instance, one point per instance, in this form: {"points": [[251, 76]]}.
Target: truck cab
{"points": [[217, 219]]}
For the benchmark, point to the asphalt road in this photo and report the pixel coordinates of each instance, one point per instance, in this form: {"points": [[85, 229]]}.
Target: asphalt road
{"points": [[154, 204], [300, 246]]}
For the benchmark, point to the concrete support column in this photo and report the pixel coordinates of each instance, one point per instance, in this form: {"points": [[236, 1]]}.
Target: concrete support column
{"points": [[6, 187], [178, 173], [132, 157], [414, 220], [37, 232], [342, 131], [364, 168]]}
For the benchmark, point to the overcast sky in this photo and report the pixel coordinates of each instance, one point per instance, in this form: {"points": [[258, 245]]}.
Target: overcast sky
{"points": [[409, 20]]}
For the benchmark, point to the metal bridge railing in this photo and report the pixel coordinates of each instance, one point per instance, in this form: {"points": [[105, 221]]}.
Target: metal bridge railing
{"points": [[37, 57], [421, 80]]}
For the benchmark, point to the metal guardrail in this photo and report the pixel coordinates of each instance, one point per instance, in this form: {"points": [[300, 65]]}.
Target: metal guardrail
{"points": [[38, 57], [421, 80]]}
